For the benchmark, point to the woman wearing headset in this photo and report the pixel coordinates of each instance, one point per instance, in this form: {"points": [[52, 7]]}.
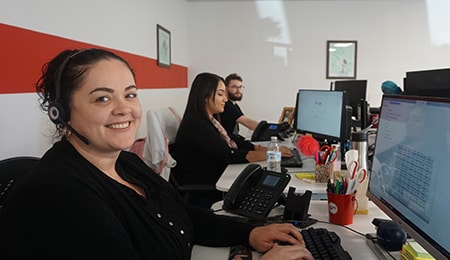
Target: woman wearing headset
{"points": [[90, 199]]}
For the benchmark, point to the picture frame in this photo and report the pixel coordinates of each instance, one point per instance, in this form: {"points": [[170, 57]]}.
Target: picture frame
{"points": [[287, 115], [164, 46], [341, 59]]}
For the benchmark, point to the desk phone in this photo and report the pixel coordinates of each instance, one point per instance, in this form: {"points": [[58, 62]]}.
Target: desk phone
{"points": [[264, 131], [255, 191]]}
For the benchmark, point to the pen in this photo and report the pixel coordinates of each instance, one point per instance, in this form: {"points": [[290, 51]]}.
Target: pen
{"points": [[338, 187], [330, 187], [345, 185]]}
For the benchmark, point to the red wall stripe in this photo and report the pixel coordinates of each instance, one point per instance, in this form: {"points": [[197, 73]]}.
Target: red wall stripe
{"points": [[23, 52]]}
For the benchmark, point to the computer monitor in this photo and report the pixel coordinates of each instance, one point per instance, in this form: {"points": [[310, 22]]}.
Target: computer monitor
{"points": [[355, 91], [410, 177], [433, 83], [320, 113]]}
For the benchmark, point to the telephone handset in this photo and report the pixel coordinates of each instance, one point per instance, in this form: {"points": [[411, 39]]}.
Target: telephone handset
{"points": [[264, 130], [255, 191]]}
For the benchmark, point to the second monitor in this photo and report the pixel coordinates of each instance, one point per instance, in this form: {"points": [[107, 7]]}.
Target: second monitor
{"points": [[322, 113], [355, 94]]}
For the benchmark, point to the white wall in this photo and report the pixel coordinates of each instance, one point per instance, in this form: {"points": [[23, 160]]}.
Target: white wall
{"points": [[242, 36], [233, 36]]}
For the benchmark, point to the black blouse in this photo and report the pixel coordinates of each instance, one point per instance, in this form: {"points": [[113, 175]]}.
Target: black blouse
{"points": [[68, 209], [201, 153]]}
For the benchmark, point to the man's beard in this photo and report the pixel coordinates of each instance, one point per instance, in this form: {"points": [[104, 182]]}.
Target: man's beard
{"points": [[234, 97]]}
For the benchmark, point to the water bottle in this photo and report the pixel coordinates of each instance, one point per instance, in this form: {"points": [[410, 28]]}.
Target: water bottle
{"points": [[335, 162], [359, 143], [273, 156]]}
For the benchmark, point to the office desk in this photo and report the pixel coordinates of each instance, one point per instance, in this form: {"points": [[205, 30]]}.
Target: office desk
{"points": [[355, 244], [318, 189]]}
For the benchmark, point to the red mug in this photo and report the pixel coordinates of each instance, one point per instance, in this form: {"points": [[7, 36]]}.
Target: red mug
{"points": [[341, 208]]}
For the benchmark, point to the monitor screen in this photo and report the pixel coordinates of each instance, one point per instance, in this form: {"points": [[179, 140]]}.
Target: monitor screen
{"points": [[320, 113], [433, 83], [355, 90], [410, 170]]}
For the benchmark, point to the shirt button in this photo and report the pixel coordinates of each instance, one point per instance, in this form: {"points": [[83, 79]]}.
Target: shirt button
{"points": [[158, 215], [182, 232], [170, 223]]}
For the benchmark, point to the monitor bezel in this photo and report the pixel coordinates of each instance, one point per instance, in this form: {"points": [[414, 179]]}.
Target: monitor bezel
{"points": [[349, 86], [433, 83], [322, 137], [416, 233]]}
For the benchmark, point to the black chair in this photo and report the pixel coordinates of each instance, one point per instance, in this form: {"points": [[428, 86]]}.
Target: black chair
{"points": [[11, 170], [194, 193]]}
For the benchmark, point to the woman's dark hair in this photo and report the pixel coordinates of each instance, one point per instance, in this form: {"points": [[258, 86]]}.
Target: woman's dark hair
{"points": [[66, 71], [203, 87]]}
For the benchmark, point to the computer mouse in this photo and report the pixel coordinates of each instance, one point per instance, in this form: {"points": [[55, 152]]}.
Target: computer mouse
{"points": [[390, 236]]}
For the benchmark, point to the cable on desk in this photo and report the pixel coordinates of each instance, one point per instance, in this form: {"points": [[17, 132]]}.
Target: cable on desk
{"points": [[351, 229], [367, 235]]}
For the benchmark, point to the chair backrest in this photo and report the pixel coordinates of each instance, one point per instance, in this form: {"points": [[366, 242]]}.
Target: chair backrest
{"points": [[11, 170], [162, 127]]}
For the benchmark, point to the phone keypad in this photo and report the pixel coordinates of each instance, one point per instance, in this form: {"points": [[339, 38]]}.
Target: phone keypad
{"points": [[256, 201]]}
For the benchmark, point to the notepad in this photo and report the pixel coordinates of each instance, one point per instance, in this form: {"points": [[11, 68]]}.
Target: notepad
{"points": [[414, 251]]}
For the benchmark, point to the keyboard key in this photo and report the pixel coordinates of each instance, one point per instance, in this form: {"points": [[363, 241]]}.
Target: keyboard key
{"points": [[324, 244]]}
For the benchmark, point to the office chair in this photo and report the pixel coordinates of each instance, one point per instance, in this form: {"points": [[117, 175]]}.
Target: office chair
{"points": [[153, 149], [162, 127], [11, 170]]}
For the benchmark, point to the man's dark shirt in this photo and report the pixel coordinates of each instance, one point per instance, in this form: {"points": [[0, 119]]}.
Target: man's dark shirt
{"points": [[229, 116]]}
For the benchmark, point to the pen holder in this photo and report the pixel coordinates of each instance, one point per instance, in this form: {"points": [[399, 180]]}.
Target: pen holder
{"points": [[341, 208], [322, 173]]}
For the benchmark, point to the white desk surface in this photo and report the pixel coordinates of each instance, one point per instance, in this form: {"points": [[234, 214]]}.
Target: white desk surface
{"points": [[318, 189], [354, 243]]}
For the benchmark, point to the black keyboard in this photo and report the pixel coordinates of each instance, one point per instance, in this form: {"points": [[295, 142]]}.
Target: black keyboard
{"points": [[294, 161], [324, 244]]}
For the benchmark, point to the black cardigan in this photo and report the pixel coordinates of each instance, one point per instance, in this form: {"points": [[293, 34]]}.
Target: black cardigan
{"points": [[201, 153], [68, 209]]}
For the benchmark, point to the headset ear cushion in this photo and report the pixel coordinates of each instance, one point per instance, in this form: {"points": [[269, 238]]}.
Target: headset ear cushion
{"points": [[58, 112]]}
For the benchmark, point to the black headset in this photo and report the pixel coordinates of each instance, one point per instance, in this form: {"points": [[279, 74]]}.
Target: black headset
{"points": [[58, 110]]}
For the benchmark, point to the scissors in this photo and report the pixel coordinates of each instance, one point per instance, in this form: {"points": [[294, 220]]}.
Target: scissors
{"points": [[356, 177]]}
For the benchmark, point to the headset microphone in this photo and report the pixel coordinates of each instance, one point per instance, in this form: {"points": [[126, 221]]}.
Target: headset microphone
{"points": [[82, 138], [58, 110]]}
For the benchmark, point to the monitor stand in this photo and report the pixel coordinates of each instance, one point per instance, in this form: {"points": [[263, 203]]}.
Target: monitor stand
{"points": [[377, 249]]}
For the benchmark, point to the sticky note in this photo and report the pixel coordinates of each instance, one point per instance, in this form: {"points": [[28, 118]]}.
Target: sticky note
{"points": [[305, 175]]}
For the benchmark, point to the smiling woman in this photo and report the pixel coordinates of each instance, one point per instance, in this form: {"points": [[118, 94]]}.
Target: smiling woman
{"points": [[94, 199]]}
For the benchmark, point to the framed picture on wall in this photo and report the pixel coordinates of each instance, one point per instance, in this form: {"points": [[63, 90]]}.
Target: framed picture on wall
{"points": [[163, 38], [341, 59]]}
